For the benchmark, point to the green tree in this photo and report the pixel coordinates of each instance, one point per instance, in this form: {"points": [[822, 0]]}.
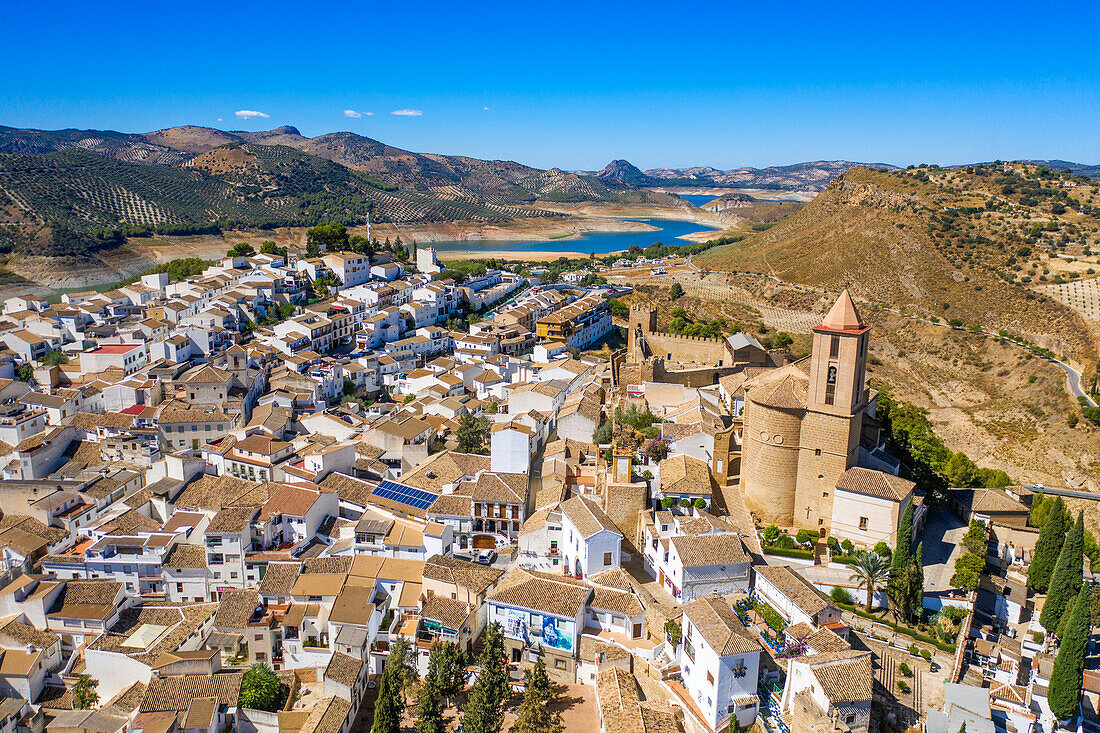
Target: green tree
{"points": [[55, 357], [676, 291], [472, 434], [429, 712], [869, 572], [241, 249], [1047, 547], [968, 571], [270, 248], [484, 711], [907, 588], [902, 555], [446, 670], [603, 434], [1066, 580], [85, 696], [1067, 676], [535, 714], [782, 340], [333, 237], [259, 688], [387, 708], [25, 373]]}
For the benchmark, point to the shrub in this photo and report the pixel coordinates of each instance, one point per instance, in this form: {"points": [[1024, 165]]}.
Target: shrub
{"points": [[882, 549], [783, 552], [847, 546], [904, 669], [685, 502], [914, 650], [786, 542], [903, 686], [926, 655], [700, 503], [771, 533], [667, 502], [805, 536], [841, 595]]}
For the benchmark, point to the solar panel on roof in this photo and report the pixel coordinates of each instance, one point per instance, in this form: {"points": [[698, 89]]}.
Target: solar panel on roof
{"points": [[405, 494]]}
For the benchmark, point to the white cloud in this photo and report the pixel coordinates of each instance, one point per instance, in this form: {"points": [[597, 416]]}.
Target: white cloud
{"points": [[219, 119], [485, 108], [352, 113], [248, 114], [407, 112]]}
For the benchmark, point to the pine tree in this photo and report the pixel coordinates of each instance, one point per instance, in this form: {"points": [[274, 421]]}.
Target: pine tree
{"points": [[535, 715], [1067, 676], [484, 711], [1066, 580], [1047, 548], [903, 551]]}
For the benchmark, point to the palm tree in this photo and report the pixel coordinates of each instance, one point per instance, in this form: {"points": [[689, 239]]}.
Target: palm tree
{"points": [[870, 572]]}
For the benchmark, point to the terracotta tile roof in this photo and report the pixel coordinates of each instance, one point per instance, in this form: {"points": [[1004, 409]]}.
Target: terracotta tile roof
{"points": [[26, 634], [789, 392], [717, 622], [845, 677], [682, 474], [327, 716], [291, 500], [875, 483], [796, 588], [472, 576], [231, 520], [349, 488], [182, 557], [353, 606], [343, 669], [200, 713], [279, 578], [710, 549], [326, 565], [176, 693], [181, 623], [445, 468], [587, 516], [554, 594], [235, 607], [613, 578], [452, 505], [616, 601], [451, 613]]}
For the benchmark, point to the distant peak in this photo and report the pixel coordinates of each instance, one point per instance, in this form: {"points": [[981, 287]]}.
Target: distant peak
{"points": [[623, 171], [286, 130]]}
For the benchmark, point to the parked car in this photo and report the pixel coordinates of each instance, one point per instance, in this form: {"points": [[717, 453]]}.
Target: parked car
{"points": [[487, 557]]}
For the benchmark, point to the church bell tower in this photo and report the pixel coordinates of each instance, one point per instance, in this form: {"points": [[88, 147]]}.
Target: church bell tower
{"points": [[836, 401]]}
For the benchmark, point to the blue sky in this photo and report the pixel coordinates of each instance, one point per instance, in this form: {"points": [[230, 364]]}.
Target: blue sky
{"points": [[578, 84]]}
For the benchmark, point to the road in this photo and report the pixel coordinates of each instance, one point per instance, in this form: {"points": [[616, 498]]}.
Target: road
{"points": [[1073, 377]]}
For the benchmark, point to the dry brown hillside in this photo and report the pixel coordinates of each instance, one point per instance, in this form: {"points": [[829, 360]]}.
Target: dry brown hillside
{"points": [[961, 244]]}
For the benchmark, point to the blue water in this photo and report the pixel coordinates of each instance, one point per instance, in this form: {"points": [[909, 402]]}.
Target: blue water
{"points": [[598, 242], [697, 199]]}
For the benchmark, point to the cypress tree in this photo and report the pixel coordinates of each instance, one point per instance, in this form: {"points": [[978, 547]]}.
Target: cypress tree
{"points": [[387, 709], [429, 713], [484, 711], [903, 552], [535, 715], [1068, 673], [897, 587], [1066, 580], [1047, 548]]}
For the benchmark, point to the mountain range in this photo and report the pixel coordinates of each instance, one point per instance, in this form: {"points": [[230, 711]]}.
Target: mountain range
{"points": [[69, 191], [813, 176]]}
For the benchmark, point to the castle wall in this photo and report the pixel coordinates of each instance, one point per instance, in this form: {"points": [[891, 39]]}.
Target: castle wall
{"points": [[769, 461], [688, 349]]}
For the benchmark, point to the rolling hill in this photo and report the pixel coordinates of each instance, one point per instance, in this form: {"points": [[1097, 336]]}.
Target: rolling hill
{"points": [[68, 192], [969, 244], [812, 176]]}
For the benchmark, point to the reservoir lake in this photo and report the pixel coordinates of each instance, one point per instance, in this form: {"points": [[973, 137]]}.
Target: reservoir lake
{"points": [[600, 243]]}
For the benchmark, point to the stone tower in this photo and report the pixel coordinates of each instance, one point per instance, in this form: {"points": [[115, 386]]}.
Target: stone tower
{"points": [[643, 320], [835, 403]]}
